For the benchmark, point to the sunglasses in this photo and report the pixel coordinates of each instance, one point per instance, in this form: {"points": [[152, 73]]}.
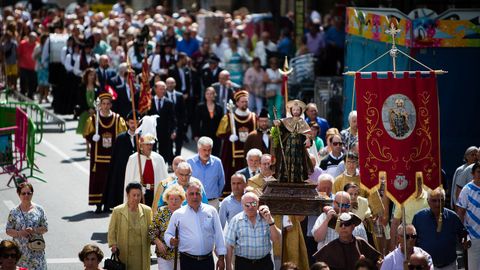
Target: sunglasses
{"points": [[10, 255], [343, 205], [411, 236], [345, 223], [251, 204], [415, 267], [26, 193], [337, 143]]}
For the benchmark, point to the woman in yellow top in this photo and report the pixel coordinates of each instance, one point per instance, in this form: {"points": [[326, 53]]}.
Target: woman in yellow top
{"points": [[174, 196], [128, 230]]}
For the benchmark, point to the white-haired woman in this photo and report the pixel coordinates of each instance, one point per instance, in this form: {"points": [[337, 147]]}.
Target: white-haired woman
{"points": [[173, 196]]}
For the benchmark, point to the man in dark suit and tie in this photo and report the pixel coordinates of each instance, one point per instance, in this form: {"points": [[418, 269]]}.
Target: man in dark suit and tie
{"points": [[123, 104], [225, 89], [253, 163], [260, 138], [166, 123], [179, 104], [211, 73], [105, 74]]}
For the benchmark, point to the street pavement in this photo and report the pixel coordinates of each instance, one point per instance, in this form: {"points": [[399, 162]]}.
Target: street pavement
{"points": [[64, 196]]}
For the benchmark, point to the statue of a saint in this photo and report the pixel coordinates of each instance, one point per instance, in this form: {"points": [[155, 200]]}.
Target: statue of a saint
{"points": [[399, 119], [291, 140]]}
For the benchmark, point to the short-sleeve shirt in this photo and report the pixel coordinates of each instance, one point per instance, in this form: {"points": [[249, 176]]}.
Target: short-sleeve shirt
{"points": [[412, 207], [469, 199]]}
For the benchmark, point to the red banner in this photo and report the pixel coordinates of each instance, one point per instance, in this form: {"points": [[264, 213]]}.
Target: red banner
{"points": [[398, 132], [145, 93]]}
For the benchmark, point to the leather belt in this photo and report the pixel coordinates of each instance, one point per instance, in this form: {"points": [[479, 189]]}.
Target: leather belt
{"points": [[255, 261], [197, 257]]}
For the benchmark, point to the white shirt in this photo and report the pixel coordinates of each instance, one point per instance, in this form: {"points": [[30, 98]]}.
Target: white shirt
{"points": [[172, 96], [394, 260], [157, 99], [198, 231], [331, 235], [260, 51]]}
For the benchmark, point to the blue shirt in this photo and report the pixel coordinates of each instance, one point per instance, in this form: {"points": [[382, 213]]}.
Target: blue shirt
{"points": [[249, 241], [229, 208], [161, 202], [469, 199], [210, 174], [324, 126], [441, 246], [188, 47], [199, 232]]}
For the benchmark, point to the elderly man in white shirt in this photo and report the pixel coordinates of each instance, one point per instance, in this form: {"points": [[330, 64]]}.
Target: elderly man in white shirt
{"points": [[322, 232], [199, 232]]}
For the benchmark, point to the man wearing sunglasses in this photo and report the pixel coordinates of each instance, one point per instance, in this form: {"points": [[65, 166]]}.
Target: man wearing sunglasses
{"points": [[330, 163], [324, 229], [344, 252], [394, 260], [418, 261], [249, 234]]}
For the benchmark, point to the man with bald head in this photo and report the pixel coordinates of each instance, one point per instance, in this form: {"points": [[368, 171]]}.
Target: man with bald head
{"points": [[324, 229], [105, 74], [179, 104], [225, 89], [166, 122]]}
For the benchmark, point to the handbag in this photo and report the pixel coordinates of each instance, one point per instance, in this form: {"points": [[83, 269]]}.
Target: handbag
{"points": [[36, 243], [114, 262]]}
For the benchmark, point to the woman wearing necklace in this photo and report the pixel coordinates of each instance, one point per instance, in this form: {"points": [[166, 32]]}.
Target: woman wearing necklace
{"points": [[25, 222], [207, 118]]}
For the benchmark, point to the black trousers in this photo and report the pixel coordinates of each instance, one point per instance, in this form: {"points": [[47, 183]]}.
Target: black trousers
{"points": [[311, 248], [149, 194], [188, 263], [264, 263], [28, 82]]}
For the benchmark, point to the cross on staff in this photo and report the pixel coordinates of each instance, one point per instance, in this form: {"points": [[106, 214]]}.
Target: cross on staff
{"points": [[393, 31]]}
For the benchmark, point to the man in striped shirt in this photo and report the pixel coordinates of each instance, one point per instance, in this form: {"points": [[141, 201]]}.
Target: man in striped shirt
{"points": [[469, 212], [249, 234]]}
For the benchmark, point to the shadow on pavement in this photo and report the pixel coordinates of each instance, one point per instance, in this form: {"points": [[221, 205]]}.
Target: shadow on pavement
{"points": [[99, 237], [85, 215], [71, 160]]}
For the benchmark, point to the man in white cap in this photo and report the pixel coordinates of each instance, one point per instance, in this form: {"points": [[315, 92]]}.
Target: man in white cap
{"points": [[152, 166]]}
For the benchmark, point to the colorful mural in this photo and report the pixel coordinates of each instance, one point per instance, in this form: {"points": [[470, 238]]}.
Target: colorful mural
{"points": [[451, 29]]}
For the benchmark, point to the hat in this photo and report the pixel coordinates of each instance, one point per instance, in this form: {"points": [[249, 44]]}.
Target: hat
{"points": [[147, 139], [130, 115], [213, 59], [239, 94], [350, 217], [263, 114], [105, 95], [296, 102]]}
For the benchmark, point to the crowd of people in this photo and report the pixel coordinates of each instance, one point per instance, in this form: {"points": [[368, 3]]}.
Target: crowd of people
{"points": [[222, 92]]}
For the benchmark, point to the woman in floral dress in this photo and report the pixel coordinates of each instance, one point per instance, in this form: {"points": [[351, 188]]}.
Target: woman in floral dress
{"points": [[174, 196], [25, 221]]}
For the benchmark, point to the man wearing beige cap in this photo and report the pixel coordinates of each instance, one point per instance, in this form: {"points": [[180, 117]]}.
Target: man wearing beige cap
{"points": [[152, 166]]}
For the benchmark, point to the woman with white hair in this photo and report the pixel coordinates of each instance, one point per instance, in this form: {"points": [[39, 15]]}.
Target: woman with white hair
{"points": [[350, 135]]}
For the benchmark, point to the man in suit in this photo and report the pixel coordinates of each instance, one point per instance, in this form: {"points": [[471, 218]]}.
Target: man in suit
{"points": [[253, 163], [225, 89], [179, 105], [166, 123], [211, 73], [123, 104], [105, 75], [260, 138]]}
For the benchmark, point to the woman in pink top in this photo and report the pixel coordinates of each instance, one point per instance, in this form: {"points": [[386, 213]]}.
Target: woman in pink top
{"points": [[253, 83]]}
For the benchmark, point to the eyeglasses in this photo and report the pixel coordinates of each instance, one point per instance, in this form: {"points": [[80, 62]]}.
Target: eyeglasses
{"points": [[345, 223], [415, 267], [411, 236], [343, 205], [250, 204], [26, 193], [337, 143], [9, 255]]}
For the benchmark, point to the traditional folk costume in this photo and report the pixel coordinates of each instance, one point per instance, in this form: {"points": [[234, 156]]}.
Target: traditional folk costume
{"points": [[233, 155], [153, 170], [109, 127]]}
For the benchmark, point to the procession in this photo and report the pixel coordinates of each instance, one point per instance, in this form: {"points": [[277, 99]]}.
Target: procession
{"points": [[222, 135]]}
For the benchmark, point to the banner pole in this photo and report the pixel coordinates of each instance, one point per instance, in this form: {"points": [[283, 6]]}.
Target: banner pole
{"points": [[404, 225]]}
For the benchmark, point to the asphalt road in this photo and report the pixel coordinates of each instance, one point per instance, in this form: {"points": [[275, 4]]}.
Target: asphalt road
{"points": [[64, 196]]}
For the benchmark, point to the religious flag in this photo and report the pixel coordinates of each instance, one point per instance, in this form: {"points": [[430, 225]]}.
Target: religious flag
{"points": [[398, 132], [111, 91], [145, 99]]}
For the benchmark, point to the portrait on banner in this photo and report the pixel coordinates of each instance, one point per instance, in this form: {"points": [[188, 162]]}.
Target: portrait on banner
{"points": [[398, 116]]}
